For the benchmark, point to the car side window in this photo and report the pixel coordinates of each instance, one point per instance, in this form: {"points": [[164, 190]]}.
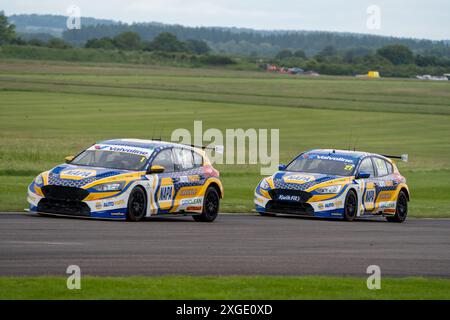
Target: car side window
{"points": [[165, 159], [381, 167], [198, 159], [183, 159], [367, 166], [390, 168]]}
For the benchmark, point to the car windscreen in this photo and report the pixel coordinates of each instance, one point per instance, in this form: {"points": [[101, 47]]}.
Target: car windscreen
{"points": [[112, 159], [322, 164]]}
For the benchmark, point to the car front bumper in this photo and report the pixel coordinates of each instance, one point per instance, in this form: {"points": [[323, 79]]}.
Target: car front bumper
{"points": [[108, 208], [331, 208]]}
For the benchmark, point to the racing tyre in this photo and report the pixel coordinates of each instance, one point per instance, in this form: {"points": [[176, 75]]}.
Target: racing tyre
{"points": [[137, 205], [401, 210], [210, 206], [351, 206], [265, 214]]}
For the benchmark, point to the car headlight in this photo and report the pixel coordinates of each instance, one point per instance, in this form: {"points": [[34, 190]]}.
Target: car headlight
{"points": [[264, 184], [330, 189], [110, 186], [39, 180]]}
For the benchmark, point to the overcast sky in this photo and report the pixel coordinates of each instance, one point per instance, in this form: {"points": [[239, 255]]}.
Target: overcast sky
{"points": [[406, 18]]}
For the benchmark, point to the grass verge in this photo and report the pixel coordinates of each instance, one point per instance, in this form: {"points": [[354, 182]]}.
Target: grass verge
{"points": [[227, 288]]}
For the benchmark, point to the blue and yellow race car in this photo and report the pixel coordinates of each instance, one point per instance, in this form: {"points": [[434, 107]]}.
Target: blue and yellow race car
{"points": [[336, 184], [130, 179]]}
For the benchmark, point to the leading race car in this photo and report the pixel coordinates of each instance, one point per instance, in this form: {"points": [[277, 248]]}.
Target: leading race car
{"points": [[130, 179], [336, 184]]}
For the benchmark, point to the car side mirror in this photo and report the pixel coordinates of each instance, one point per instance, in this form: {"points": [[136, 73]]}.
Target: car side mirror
{"points": [[155, 169], [69, 159], [282, 167], [362, 175]]}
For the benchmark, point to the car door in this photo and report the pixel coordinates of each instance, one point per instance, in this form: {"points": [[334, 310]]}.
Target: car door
{"points": [[385, 185], [189, 179], [368, 185], [165, 190]]}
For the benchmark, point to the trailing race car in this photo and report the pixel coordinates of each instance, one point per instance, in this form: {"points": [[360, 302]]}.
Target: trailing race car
{"points": [[130, 179], [336, 184]]}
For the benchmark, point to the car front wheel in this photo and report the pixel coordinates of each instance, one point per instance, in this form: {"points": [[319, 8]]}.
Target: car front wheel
{"points": [[351, 206], [137, 205]]}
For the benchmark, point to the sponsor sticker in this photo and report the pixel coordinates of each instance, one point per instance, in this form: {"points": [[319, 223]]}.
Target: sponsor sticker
{"points": [[282, 197], [300, 179], [197, 208], [341, 159], [77, 174], [370, 195], [166, 193], [184, 179], [188, 192], [387, 205], [190, 202], [108, 204], [195, 178], [119, 202], [124, 149]]}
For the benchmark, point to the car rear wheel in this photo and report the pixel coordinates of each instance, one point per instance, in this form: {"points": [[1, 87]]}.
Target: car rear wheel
{"points": [[210, 206], [351, 206], [401, 211], [137, 205]]}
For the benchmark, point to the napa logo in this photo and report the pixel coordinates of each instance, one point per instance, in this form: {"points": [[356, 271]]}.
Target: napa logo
{"points": [[299, 179], [166, 193], [77, 174]]}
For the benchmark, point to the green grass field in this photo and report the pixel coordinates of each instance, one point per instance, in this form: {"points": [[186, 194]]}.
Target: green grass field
{"points": [[49, 110], [224, 288]]}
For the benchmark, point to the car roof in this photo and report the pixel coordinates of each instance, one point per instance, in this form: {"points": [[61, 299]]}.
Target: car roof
{"points": [[141, 143], [345, 153]]}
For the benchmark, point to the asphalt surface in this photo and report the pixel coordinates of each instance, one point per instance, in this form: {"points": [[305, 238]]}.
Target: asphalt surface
{"points": [[233, 245]]}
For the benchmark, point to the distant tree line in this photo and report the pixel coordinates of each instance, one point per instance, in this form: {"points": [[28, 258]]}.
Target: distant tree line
{"points": [[165, 42], [165, 45], [261, 43], [391, 60], [234, 41]]}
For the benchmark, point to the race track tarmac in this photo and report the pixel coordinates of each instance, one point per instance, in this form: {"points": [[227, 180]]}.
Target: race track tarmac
{"points": [[233, 245]]}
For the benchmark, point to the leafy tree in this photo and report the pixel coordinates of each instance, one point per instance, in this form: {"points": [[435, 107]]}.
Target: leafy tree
{"points": [[425, 61], [354, 54], [128, 41], [328, 54], [36, 43], [7, 30], [328, 51], [397, 54], [197, 46], [103, 43], [283, 54], [58, 44], [217, 60], [300, 54], [166, 42]]}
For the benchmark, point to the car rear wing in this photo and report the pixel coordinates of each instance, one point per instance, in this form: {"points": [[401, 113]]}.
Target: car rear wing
{"points": [[403, 157], [217, 149]]}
